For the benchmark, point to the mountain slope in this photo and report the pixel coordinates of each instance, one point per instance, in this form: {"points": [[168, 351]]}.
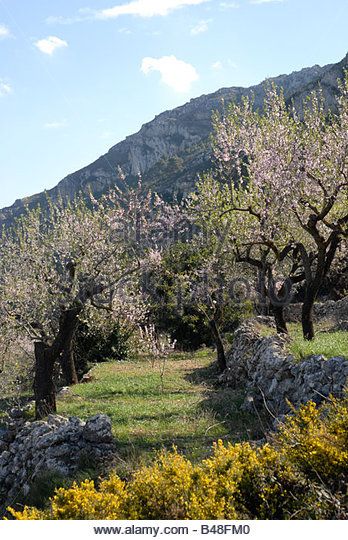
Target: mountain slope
{"points": [[173, 148]]}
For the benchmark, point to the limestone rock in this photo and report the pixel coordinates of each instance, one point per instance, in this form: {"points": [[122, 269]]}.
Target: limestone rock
{"points": [[174, 147], [98, 428], [28, 449], [336, 312], [272, 378]]}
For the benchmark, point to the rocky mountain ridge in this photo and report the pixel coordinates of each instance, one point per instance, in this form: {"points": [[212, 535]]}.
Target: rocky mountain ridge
{"points": [[172, 149]]}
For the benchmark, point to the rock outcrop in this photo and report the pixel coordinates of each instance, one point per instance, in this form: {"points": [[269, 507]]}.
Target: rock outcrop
{"points": [[173, 148], [272, 378], [58, 445]]}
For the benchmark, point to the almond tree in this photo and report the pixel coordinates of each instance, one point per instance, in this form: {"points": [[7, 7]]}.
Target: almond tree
{"points": [[211, 291], [320, 202], [213, 208], [53, 267], [242, 196], [281, 185]]}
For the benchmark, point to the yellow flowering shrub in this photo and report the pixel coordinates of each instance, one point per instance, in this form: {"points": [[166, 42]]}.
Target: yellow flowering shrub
{"points": [[161, 490], [316, 440], [29, 513], [256, 483], [300, 474], [82, 501]]}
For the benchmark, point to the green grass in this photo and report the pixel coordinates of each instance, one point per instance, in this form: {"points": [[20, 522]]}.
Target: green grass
{"points": [[185, 407], [329, 344], [326, 342]]}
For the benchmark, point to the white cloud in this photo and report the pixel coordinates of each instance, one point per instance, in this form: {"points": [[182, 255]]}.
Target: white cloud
{"points": [[140, 8], [229, 5], [84, 14], [59, 19], [175, 73], [201, 27], [4, 31], [217, 66], [5, 88], [146, 8], [265, 1], [232, 64], [50, 44], [124, 30], [56, 124]]}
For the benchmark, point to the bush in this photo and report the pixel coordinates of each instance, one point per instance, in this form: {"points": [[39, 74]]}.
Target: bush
{"points": [[316, 440], [300, 474], [178, 294], [100, 343]]}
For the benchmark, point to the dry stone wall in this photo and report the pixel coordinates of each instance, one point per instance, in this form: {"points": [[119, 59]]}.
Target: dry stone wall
{"points": [[28, 449], [271, 376], [336, 312]]}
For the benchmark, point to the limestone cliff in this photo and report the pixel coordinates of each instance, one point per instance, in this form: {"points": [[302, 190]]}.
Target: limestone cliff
{"points": [[173, 148]]}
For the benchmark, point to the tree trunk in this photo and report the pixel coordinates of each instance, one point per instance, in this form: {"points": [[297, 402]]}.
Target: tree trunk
{"points": [[44, 390], [307, 313], [278, 312], [326, 252], [68, 365], [279, 300], [68, 328], [221, 358], [262, 306], [45, 359], [312, 289]]}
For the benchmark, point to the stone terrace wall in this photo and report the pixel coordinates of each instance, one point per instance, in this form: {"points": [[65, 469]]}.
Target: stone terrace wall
{"points": [[337, 312], [27, 449], [270, 376]]}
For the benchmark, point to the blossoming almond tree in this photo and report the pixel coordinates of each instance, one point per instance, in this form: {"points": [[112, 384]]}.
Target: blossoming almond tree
{"points": [[211, 290], [281, 183], [54, 265], [320, 201], [209, 206]]}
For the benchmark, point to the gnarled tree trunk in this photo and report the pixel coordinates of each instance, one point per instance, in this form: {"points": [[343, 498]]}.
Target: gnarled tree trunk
{"points": [[278, 313], [45, 359], [220, 350], [279, 300], [44, 390], [307, 313], [67, 356], [326, 251], [68, 365]]}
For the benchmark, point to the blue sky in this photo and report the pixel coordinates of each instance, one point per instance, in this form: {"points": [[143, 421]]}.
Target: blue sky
{"points": [[77, 76]]}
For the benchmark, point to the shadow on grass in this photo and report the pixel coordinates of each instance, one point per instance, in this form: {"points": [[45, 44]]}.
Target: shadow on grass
{"points": [[138, 451], [206, 375], [154, 392], [229, 423], [225, 404]]}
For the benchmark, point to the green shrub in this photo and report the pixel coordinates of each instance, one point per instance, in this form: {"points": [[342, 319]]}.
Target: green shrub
{"points": [[100, 343]]}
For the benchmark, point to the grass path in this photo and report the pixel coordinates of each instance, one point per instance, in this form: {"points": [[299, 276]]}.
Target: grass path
{"points": [[184, 407]]}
